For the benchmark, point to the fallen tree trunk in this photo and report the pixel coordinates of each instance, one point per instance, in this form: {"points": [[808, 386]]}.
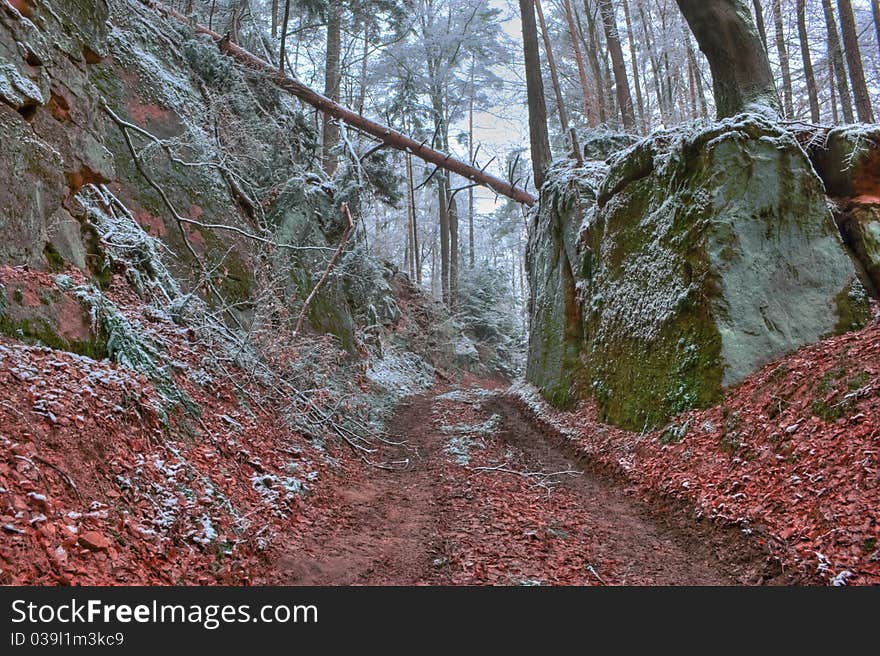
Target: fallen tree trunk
{"points": [[389, 137]]}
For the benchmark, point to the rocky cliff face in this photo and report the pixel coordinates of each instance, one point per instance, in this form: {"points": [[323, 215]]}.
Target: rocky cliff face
{"points": [[133, 147], [680, 267]]}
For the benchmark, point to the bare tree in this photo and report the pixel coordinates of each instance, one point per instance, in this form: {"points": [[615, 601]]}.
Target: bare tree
{"points": [[809, 76], [835, 53], [634, 60], [854, 61], [612, 39], [551, 64], [741, 73], [783, 58], [579, 60]]}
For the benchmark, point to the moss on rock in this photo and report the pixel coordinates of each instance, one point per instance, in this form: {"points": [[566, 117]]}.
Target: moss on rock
{"points": [[703, 255]]}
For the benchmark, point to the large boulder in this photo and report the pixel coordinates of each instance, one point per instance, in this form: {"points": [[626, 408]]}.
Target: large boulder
{"points": [[705, 255]]}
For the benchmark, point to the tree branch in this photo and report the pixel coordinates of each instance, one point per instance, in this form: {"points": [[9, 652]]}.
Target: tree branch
{"points": [[322, 103]]}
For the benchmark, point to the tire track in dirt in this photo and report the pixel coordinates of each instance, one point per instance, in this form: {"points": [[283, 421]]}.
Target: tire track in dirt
{"points": [[448, 518]]}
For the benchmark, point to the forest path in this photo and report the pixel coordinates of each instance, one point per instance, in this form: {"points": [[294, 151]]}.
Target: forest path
{"points": [[477, 504]]}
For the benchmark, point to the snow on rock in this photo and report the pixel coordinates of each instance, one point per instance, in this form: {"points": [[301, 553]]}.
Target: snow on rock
{"points": [[696, 256]]}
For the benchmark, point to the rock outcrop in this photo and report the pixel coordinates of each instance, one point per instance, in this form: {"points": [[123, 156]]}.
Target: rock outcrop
{"points": [[696, 258], [848, 161], [63, 61]]}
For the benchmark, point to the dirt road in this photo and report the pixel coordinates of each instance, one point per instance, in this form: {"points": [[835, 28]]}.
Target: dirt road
{"points": [[488, 497]]}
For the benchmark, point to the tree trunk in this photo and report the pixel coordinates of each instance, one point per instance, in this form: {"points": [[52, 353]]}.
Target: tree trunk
{"points": [[274, 19], [539, 139], [283, 55], [387, 135], [692, 89], [854, 61], [759, 21], [834, 117], [434, 266], [809, 76], [875, 10], [835, 53], [413, 222], [783, 59], [741, 74], [593, 53], [612, 39], [694, 65], [554, 75], [635, 67], [452, 211], [655, 66], [452, 208], [330, 132], [362, 96], [443, 206], [579, 60], [471, 160]]}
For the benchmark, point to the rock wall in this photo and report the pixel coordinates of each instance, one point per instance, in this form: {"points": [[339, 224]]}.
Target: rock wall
{"points": [[62, 61], [697, 257]]}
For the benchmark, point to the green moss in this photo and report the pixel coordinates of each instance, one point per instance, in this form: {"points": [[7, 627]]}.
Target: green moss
{"points": [[53, 258], [40, 332], [853, 308], [237, 286]]}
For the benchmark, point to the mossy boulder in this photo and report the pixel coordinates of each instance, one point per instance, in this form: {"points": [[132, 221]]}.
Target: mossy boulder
{"points": [[705, 255]]}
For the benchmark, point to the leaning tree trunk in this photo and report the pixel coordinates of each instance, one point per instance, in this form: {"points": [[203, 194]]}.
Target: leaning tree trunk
{"points": [[854, 61], [539, 139], [783, 58], [387, 135], [331, 85], [835, 54], [809, 76], [612, 39], [741, 74]]}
